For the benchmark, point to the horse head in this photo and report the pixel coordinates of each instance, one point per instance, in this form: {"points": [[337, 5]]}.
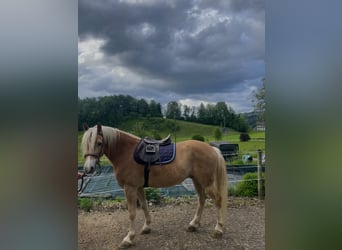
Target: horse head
{"points": [[92, 147]]}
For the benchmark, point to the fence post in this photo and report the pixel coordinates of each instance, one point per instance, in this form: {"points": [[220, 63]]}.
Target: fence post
{"points": [[260, 174]]}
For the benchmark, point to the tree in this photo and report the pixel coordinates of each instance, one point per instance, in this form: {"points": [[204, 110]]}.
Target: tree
{"points": [[155, 109], [211, 114], [259, 102], [218, 134], [221, 113], [241, 124], [143, 107], [186, 112], [173, 110], [193, 116], [113, 110], [201, 114]]}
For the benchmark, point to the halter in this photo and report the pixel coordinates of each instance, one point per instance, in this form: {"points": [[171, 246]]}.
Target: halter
{"points": [[98, 168], [97, 156]]}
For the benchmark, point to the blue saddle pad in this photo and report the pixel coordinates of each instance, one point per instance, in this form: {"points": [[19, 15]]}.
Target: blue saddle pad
{"points": [[167, 154]]}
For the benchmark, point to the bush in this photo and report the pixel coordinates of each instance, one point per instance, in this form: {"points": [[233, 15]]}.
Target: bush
{"points": [[232, 191], [198, 138], [153, 195], [85, 204], [249, 186], [244, 137]]}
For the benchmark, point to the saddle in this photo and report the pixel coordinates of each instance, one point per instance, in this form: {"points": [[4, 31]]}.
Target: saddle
{"points": [[148, 152]]}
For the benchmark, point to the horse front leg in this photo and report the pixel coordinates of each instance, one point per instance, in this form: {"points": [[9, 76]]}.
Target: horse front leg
{"points": [[142, 198], [131, 198]]}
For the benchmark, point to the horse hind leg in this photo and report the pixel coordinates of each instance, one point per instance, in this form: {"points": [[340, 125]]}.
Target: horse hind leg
{"points": [[218, 191], [142, 198], [195, 223]]}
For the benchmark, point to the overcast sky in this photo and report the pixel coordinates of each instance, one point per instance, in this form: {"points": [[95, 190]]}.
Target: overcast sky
{"points": [[187, 51]]}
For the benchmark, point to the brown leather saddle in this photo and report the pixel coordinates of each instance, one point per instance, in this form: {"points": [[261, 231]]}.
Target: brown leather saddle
{"points": [[148, 152]]}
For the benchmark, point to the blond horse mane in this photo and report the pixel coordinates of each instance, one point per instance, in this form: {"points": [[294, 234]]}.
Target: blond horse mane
{"points": [[111, 136]]}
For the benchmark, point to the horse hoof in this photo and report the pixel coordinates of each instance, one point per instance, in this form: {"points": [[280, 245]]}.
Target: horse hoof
{"points": [[191, 228], [125, 245], [217, 234], [146, 231]]}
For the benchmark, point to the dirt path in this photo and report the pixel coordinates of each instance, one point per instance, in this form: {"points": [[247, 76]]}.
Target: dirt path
{"points": [[104, 228]]}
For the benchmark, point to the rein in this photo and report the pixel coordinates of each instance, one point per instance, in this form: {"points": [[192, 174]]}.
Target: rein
{"points": [[82, 174]]}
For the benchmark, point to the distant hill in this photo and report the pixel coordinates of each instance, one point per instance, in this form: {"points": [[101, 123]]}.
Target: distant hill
{"points": [[161, 127]]}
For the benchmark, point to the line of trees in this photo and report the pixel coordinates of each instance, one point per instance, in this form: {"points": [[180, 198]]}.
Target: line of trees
{"points": [[212, 114], [113, 110]]}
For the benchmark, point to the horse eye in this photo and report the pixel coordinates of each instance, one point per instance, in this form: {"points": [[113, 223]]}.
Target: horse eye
{"points": [[99, 144]]}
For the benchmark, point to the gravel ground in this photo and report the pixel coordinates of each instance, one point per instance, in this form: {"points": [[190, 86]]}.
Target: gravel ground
{"points": [[106, 226]]}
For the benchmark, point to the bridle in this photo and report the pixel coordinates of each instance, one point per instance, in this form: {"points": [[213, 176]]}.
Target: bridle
{"points": [[98, 168], [97, 164], [97, 172], [97, 156]]}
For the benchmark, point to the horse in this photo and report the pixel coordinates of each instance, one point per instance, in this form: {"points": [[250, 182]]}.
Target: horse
{"points": [[194, 159]]}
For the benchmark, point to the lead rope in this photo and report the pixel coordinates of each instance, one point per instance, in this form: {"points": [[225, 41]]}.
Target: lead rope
{"points": [[97, 172], [81, 176]]}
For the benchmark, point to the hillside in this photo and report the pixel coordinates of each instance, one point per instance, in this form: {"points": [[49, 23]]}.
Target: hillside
{"points": [[160, 127]]}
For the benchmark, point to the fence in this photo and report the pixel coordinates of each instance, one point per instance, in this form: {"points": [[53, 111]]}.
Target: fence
{"points": [[105, 185], [235, 172]]}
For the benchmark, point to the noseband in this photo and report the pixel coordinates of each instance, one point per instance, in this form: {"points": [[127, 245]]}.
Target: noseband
{"points": [[97, 171], [97, 156]]}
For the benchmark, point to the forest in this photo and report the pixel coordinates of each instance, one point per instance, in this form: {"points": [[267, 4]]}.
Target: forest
{"points": [[116, 109]]}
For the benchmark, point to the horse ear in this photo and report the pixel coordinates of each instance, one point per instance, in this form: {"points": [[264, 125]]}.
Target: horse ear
{"points": [[99, 129], [85, 127]]}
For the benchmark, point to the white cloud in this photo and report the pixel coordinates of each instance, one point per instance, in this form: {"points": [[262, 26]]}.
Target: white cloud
{"points": [[89, 50], [204, 19]]}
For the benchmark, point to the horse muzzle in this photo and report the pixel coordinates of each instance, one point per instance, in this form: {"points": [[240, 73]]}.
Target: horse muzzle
{"points": [[90, 165]]}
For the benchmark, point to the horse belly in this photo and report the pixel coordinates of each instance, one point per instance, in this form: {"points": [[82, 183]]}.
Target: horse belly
{"points": [[166, 175]]}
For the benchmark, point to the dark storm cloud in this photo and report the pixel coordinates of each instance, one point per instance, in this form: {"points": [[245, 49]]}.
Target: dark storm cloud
{"points": [[188, 46]]}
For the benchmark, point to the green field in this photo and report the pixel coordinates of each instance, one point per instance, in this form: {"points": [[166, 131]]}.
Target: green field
{"points": [[185, 131]]}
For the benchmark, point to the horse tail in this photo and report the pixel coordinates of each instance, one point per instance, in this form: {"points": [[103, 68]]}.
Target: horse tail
{"points": [[221, 181]]}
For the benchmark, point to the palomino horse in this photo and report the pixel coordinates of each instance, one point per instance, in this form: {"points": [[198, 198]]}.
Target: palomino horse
{"points": [[194, 159]]}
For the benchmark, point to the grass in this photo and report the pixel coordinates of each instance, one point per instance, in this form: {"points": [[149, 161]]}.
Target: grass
{"points": [[185, 132], [85, 203]]}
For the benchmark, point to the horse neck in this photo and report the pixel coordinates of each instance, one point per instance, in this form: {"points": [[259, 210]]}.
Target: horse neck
{"points": [[125, 144]]}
